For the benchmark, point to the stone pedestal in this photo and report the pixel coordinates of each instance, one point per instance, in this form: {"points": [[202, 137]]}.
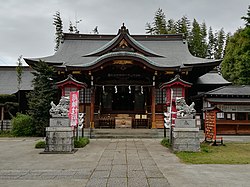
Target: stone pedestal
{"points": [[185, 136], [59, 136]]}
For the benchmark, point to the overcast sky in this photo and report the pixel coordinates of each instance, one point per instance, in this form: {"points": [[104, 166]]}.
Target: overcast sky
{"points": [[26, 26]]}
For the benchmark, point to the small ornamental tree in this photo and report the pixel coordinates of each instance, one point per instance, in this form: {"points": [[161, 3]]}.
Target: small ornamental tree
{"points": [[59, 29], [39, 99], [19, 72]]}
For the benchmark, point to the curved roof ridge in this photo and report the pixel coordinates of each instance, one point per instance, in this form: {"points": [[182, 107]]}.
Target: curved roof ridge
{"points": [[119, 53], [104, 47], [138, 44], [123, 34]]}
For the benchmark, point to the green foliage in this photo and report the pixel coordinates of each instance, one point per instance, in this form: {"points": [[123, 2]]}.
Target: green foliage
{"points": [[59, 29], [22, 125], [232, 153], [19, 71], [200, 42], [247, 18], [7, 98], [39, 99], [236, 63], [40, 145], [6, 133], [165, 142], [81, 142]]}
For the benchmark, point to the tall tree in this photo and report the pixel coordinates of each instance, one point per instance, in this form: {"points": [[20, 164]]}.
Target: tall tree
{"points": [[210, 45], [203, 40], [247, 18], [171, 27], [39, 99], [219, 44], [236, 63], [195, 40], [59, 29], [183, 26], [19, 73], [159, 25]]}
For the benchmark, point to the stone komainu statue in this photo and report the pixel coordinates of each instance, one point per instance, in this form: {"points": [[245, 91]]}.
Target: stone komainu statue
{"points": [[60, 110], [183, 110]]}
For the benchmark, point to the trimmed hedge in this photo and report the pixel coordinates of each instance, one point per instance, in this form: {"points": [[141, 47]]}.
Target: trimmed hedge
{"points": [[81, 142], [40, 145], [22, 125]]}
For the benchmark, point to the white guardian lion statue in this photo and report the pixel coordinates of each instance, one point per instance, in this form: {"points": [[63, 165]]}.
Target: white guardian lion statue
{"points": [[183, 110], [60, 110]]}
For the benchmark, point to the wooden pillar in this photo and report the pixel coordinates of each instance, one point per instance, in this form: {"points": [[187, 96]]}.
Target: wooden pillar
{"points": [[92, 108], [153, 108]]}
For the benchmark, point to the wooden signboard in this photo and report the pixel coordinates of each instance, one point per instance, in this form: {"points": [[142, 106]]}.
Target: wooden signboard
{"points": [[210, 126]]}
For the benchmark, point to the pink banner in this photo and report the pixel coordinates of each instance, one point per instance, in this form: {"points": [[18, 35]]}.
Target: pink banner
{"points": [[73, 108]]}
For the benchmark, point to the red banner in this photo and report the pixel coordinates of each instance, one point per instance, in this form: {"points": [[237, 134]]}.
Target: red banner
{"points": [[73, 108]]}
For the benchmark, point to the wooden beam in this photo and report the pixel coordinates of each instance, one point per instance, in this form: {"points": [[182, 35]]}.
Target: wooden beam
{"points": [[92, 107], [153, 108]]}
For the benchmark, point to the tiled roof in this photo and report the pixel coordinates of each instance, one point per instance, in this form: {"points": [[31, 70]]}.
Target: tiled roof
{"points": [[168, 50], [8, 80], [241, 90], [212, 78]]}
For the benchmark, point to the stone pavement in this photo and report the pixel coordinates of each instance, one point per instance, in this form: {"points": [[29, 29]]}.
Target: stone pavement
{"points": [[110, 162]]}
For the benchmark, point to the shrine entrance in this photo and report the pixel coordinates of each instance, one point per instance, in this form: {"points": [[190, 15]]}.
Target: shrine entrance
{"points": [[123, 97]]}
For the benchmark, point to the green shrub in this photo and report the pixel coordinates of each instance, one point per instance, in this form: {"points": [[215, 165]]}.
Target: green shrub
{"points": [[81, 142], [40, 145], [22, 125], [165, 142], [5, 133]]}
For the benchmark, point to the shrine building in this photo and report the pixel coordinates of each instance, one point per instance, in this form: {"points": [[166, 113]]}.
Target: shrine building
{"points": [[125, 80]]}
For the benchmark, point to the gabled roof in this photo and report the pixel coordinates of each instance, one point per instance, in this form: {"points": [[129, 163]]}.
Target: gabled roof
{"points": [[176, 81], [212, 78], [232, 90], [71, 81], [126, 43], [161, 51]]}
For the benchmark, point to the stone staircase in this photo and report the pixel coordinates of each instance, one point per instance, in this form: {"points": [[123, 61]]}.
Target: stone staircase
{"points": [[124, 133]]}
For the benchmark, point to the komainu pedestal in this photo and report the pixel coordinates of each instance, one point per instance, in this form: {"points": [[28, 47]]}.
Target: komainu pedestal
{"points": [[185, 133], [59, 136]]}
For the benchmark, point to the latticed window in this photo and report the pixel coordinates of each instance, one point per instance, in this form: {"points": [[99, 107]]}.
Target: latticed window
{"points": [[67, 90], [177, 92], [87, 95], [160, 96]]}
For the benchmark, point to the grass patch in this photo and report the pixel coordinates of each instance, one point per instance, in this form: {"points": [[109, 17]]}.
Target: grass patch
{"points": [[165, 142], [231, 153], [6, 134], [81, 142]]}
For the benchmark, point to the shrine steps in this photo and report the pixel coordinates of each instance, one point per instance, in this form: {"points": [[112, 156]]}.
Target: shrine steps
{"points": [[125, 133]]}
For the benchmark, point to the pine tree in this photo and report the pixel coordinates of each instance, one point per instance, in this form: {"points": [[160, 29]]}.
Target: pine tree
{"points": [[59, 29], [204, 45], [160, 22], [219, 44], [183, 26], [247, 18], [171, 27], [195, 40], [210, 45], [71, 28], [39, 99]]}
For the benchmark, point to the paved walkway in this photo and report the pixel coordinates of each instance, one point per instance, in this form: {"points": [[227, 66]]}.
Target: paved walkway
{"points": [[110, 162]]}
